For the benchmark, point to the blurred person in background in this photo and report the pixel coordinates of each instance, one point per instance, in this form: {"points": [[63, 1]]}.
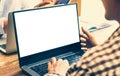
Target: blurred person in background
{"points": [[7, 6]]}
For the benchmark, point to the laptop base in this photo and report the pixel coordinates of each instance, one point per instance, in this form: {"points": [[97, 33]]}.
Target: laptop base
{"points": [[40, 68]]}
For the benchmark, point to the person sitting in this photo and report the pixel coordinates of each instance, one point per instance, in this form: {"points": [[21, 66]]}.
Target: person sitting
{"points": [[100, 60], [7, 6]]}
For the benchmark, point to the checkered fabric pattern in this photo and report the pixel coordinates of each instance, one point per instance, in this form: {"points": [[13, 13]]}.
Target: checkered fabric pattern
{"points": [[102, 60]]}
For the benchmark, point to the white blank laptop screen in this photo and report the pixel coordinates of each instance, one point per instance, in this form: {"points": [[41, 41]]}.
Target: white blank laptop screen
{"points": [[43, 29]]}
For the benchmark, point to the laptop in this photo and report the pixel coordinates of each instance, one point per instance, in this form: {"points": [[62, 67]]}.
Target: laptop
{"points": [[42, 33], [7, 42]]}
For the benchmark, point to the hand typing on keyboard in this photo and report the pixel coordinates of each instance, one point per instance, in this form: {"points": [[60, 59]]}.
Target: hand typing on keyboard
{"points": [[58, 66]]}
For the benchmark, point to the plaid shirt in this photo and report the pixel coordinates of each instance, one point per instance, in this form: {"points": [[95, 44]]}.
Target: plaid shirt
{"points": [[102, 60]]}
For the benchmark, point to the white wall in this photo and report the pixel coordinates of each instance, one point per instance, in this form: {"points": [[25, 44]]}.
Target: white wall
{"points": [[92, 9], [92, 14]]}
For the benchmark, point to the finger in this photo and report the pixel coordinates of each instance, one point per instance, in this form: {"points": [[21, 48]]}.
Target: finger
{"points": [[60, 60], [83, 45], [66, 61], [83, 40], [49, 65], [87, 33], [53, 60], [50, 68], [85, 49], [83, 36]]}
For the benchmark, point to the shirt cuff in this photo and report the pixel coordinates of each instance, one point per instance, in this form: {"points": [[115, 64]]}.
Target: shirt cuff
{"points": [[52, 74]]}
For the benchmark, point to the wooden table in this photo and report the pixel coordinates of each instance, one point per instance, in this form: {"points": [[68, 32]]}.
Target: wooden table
{"points": [[9, 65]]}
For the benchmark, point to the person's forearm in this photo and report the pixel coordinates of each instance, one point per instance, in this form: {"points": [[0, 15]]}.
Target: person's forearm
{"points": [[3, 24], [5, 20]]}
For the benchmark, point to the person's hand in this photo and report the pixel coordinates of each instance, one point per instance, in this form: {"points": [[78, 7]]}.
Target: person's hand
{"points": [[58, 66], [87, 40], [5, 21], [46, 3]]}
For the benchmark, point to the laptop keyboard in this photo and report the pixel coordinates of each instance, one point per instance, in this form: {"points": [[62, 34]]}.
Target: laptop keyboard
{"points": [[42, 69], [72, 58], [3, 46]]}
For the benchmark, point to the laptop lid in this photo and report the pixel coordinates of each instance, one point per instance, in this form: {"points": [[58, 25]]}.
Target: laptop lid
{"points": [[45, 32], [9, 43]]}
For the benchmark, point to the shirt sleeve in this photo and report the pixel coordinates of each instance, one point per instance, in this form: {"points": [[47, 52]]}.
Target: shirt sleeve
{"points": [[1, 22], [1, 18], [80, 68]]}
